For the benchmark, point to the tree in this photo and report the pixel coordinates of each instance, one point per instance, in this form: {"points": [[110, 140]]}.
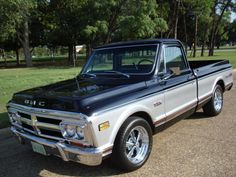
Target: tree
{"points": [[200, 9], [218, 10], [232, 33], [224, 28], [111, 20], [65, 24], [10, 44], [170, 12], [203, 34], [14, 16]]}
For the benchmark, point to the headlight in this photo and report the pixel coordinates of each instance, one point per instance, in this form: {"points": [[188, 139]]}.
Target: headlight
{"points": [[14, 117], [80, 132], [72, 131]]}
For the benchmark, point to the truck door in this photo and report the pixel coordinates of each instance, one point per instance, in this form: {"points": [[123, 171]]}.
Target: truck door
{"points": [[180, 87]]}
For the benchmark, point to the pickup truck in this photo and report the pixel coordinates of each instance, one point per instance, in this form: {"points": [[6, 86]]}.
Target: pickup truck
{"points": [[113, 106]]}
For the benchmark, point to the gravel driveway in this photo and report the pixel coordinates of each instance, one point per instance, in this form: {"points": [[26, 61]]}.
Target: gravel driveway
{"points": [[196, 146]]}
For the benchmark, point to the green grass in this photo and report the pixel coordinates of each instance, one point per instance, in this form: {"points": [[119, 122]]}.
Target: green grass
{"points": [[14, 80]]}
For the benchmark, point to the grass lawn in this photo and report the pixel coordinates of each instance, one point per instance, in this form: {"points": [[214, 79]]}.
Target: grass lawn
{"points": [[14, 80]]}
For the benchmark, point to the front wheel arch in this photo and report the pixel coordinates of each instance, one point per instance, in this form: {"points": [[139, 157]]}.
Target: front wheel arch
{"points": [[145, 116], [120, 151]]}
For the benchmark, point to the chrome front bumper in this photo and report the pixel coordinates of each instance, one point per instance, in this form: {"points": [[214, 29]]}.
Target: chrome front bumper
{"points": [[87, 156]]}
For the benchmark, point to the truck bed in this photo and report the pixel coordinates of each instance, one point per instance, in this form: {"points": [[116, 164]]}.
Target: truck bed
{"points": [[205, 67]]}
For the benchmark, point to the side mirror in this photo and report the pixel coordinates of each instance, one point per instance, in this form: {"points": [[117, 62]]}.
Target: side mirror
{"points": [[166, 76]]}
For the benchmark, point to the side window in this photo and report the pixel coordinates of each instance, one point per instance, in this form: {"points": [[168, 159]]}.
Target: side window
{"points": [[174, 60]]}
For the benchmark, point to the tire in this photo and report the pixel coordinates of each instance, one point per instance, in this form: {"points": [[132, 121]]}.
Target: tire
{"points": [[215, 105], [129, 154]]}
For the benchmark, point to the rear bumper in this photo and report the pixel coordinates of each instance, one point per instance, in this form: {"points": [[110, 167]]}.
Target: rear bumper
{"points": [[87, 156]]}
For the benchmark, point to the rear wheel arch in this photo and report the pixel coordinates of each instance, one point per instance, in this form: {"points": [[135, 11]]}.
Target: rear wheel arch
{"points": [[220, 83], [214, 106]]}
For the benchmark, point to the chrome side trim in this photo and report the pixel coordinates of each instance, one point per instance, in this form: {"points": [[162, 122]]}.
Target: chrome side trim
{"points": [[180, 112], [175, 114], [205, 98]]}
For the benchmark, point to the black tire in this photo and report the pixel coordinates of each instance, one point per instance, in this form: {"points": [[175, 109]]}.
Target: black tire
{"points": [[119, 154], [210, 108]]}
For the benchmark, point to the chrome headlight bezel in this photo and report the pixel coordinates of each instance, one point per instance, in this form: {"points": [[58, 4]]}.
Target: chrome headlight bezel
{"points": [[72, 130], [14, 117]]}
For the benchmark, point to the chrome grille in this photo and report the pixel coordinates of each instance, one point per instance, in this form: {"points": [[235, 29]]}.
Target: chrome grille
{"points": [[40, 125], [45, 123]]}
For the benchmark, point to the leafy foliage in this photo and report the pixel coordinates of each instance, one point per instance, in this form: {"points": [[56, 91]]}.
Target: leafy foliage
{"points": [[68, 23]]}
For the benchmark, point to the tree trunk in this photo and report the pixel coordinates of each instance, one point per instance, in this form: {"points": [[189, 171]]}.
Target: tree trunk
{"points": [[203, 48], [213, 12], [185, 35], [195, 36], [25, 44], [88, 51], [176, 20], [71, 58], [5, 60], [206, 31], [215, 28], [17, 57], [74, 58], [211, 45]]}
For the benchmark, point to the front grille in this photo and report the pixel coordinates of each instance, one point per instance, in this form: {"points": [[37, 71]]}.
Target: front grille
{"points": [[29, 127], [51, 133], [27, 116], [41, 125], [47, 120]]}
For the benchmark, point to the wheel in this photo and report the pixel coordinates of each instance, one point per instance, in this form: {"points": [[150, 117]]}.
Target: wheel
{"points": [[215, 105], [133, 144]]}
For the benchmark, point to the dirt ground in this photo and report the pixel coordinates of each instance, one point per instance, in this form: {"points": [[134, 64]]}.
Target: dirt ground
{"points": [[196, 146]]}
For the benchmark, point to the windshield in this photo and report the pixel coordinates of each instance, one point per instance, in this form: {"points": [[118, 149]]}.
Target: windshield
{"points": [[130, 60]]}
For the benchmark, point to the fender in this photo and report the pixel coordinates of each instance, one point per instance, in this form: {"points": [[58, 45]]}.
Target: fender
{"points": [[125, 115]]}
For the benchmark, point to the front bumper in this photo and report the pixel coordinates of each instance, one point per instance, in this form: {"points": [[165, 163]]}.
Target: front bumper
{"points": [[87, 156]]}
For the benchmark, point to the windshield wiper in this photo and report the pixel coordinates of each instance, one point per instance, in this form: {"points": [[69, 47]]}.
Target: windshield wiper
{"points": [[88, 74], [119, 73]]}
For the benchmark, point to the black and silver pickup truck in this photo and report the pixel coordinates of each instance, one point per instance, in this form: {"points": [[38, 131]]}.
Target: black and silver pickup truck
{"points": [[113, 106]]}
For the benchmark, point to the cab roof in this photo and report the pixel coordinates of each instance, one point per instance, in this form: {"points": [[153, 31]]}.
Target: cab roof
{"points": [[138, 42]]}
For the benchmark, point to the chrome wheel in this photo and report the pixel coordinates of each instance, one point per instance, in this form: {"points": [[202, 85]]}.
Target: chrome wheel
{"points": [[137, 144], [218, 100]]}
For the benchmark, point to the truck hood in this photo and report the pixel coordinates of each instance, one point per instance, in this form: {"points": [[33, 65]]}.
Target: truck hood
{"points": [[84, 95]]}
